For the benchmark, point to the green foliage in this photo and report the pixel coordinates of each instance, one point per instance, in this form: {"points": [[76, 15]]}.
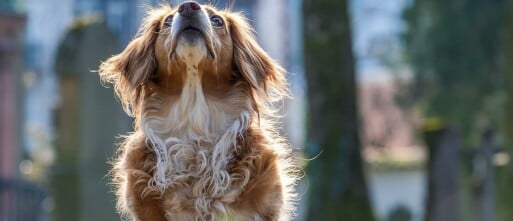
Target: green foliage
{"points": [[9, 5], [461, 52], [454, 49], [504, 180], [6, 2]]}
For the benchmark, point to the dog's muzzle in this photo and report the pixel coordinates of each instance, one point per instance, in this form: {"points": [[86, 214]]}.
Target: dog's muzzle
{"points": [[191, 25], [192, 20]]}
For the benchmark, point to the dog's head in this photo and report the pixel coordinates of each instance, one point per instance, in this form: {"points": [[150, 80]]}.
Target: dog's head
{"points": [[192, 39]]}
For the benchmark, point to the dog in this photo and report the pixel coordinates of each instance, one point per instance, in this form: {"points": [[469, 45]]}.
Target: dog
{"points": [[205, 144]]}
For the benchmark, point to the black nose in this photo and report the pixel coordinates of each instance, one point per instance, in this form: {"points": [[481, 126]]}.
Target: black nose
{"points": [[189, 8]]}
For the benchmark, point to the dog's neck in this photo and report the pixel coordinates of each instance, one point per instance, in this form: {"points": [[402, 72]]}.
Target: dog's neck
{"points": [[193, 121], [192, 114]]}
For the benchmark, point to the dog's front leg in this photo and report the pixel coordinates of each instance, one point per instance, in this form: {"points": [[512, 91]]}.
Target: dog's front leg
{"points": [[263, 194], [142, 207], [137, 198]]}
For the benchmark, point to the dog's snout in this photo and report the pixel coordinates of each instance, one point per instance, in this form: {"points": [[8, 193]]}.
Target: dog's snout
{"points": [[189, 8]]}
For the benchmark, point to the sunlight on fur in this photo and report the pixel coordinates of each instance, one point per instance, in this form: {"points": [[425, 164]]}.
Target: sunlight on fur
{"points": [[205, 145]]}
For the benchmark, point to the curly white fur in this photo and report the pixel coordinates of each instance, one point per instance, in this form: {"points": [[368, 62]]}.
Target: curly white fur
{"points": [[196, 139]]}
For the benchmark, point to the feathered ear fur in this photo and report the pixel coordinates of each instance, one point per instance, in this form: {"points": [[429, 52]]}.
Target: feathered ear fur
{"points": [[129, 70], [265, 76]]}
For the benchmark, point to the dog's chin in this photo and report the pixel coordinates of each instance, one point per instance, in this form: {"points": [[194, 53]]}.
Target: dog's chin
{"points": [[191, 36], [192, 42]]}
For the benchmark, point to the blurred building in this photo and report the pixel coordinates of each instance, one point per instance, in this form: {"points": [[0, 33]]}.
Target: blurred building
{"points": [[12, 26], [395, 159]]}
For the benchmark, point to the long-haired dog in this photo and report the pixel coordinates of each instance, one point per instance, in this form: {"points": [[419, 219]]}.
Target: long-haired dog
{"points": [[205, 146]]}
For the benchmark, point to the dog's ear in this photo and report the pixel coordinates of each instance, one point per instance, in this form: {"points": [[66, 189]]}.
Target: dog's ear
{"points": [[256, 67], [129, 70]]}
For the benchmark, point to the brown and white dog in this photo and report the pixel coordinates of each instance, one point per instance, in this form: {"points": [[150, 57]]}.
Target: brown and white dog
{"points": [[205, 146]]}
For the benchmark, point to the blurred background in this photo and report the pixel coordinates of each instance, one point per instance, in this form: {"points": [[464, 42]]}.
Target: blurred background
{"points": [[402, 109]]}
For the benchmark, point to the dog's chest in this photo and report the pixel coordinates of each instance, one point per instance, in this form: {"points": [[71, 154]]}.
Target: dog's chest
{"points": [[199, 181], [194, 143], [193, 138]]}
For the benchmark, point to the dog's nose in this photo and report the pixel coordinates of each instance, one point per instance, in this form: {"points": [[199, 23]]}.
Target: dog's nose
{"points": [[189, 8]]}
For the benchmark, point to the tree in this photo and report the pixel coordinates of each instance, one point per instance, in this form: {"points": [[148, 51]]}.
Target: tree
{"points": [[504, 176], [336, 178], [454, 48]]}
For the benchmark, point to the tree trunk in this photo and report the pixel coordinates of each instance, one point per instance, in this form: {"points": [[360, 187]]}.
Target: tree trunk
{"points": [[443, 175], [504, 174], [338, 190], [484, 176]]}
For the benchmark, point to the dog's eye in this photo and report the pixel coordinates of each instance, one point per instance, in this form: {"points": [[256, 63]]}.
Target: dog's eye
{"points": [[216, 21], [168, 21]]}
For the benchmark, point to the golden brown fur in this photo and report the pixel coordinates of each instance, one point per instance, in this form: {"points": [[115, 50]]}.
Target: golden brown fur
{"points": [[204, 145]]}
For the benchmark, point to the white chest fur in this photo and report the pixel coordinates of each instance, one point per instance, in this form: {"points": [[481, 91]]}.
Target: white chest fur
{"points": [[194, 140]]}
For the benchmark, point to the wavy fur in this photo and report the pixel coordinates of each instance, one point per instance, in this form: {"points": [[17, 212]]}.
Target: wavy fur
{"points": [[205, 145]]}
